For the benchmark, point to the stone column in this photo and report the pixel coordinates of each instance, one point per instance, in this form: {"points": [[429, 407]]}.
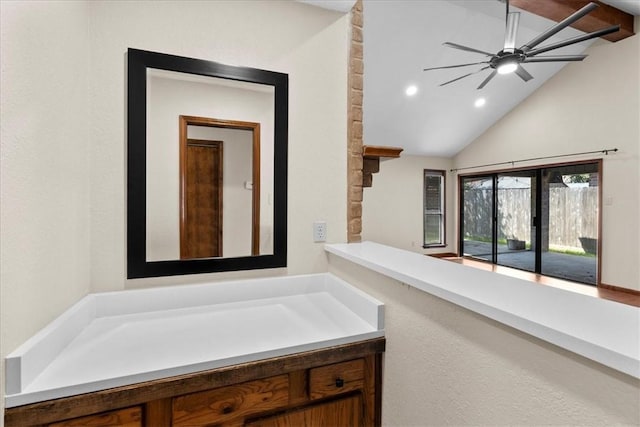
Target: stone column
{"points": [[354, 128]]}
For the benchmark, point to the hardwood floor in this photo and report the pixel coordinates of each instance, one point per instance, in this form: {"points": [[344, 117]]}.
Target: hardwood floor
{"points": [[617, 295]]}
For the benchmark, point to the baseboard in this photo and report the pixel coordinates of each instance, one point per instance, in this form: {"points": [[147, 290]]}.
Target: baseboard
{"points": [[619, 289], [443, 255]]}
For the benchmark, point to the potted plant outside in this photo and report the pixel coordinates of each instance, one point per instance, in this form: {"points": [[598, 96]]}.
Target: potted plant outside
{"points": [[589, 244], [515, 244]]}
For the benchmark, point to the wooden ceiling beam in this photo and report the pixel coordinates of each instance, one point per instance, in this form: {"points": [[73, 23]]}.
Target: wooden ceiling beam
{"points": [[602, 17]]}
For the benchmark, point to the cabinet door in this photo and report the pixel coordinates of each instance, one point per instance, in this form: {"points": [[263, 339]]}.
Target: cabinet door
{"points": [[129, 417], [344, 412]]}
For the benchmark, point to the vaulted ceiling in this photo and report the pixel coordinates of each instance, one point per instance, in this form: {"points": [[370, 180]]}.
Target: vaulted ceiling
{"points": [[402, 37]]}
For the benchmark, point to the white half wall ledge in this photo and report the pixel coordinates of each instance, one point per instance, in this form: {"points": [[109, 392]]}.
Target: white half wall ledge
{"points": [[601, 330]]}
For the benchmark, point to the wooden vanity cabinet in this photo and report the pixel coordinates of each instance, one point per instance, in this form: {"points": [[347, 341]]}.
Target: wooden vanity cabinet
{"points": [[336, 386]]}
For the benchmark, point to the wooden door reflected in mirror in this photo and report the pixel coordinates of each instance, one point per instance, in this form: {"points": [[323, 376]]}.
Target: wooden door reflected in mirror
{"points": [[219, 191], [201, 200]]}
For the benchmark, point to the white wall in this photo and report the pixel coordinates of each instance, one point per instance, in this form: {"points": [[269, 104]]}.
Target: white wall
{"points": [[44, 164], [392, 207], [308, 43], [64, 135], [445, 365], [587, 106]]}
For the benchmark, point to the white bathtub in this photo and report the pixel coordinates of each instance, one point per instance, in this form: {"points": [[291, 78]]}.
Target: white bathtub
{"points": [[119, 338]]}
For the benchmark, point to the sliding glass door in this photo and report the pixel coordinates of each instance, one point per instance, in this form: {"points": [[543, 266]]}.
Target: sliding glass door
{"points": [[569, 222], [477, 217], [516, 212], [542, 220]]}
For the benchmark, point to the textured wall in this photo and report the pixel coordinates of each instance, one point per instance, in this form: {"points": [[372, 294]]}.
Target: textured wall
{"points": [[445, 365], [392, 207], [63, 135], [44, 164], [308, 43]]}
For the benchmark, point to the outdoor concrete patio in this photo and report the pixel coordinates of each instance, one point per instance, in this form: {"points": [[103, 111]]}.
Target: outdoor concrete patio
{"points": [[576, 268]]}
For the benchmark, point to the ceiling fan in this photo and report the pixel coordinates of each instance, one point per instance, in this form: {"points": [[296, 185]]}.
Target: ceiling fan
{"points": [[510, 58]]}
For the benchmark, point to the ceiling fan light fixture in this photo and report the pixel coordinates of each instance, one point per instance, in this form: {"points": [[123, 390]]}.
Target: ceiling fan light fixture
{"points": [[507, 67], [411, 90]]}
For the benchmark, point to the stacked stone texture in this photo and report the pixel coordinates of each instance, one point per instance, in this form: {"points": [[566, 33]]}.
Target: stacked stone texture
{"points": [[354, 129]]}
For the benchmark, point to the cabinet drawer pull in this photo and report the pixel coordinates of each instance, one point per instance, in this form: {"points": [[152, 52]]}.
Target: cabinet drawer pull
{"points": [[338, 378]]}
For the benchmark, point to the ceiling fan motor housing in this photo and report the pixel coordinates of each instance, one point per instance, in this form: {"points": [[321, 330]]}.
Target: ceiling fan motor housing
{"points": [[502, 57]]}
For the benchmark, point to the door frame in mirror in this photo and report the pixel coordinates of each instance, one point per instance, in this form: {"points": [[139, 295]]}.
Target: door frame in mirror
{"points": [[138, 61]]}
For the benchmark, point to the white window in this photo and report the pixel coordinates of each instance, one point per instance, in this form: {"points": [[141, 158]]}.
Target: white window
{"points": [[434, 211]]}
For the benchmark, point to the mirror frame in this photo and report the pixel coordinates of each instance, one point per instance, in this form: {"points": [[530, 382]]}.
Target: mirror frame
{"points": [[137, 265]]}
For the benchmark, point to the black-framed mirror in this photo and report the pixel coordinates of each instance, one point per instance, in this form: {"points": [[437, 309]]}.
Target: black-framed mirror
{"points": [[162, 90]]}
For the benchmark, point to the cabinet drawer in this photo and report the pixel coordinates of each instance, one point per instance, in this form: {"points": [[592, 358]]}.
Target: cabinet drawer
{"points": [[335, 379], [345, 411], [226, 403], [129, 417]]}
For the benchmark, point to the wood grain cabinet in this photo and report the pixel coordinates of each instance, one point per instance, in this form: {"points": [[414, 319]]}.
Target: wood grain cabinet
{"points": [[225, 404], [330, 387], [129, 417], [346, 411]]}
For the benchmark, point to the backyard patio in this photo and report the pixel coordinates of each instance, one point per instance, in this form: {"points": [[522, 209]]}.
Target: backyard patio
{"points": [[561, 265]]}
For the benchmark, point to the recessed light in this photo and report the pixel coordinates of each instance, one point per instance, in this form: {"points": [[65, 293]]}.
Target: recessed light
{"points": [[411, 90], [480, 102]]}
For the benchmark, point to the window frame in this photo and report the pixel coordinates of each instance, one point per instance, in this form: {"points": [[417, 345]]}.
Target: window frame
{"points": [[536, 167], [443, 207]]}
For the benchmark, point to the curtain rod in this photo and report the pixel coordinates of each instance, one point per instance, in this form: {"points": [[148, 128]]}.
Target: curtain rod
{"points": [[512, 162]]}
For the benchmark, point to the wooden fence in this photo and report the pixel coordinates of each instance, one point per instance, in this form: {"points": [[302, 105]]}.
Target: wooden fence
{"points": [[572, 214]]}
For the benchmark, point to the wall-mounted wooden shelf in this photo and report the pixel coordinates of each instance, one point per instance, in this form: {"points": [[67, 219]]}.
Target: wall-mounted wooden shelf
{"points": [[371, 155]]}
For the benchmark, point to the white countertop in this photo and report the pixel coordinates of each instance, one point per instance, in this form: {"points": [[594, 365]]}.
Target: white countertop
{"points": [[601, 330], [120, 338]]}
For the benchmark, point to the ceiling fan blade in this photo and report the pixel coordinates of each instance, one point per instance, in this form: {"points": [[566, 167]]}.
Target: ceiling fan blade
{"points": [[512, 30], [573, 40], [468, 49], [455, 80], [555, 58], [462, 77], [455, 66], [485, 81], [523, 74], [559, 26]]}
